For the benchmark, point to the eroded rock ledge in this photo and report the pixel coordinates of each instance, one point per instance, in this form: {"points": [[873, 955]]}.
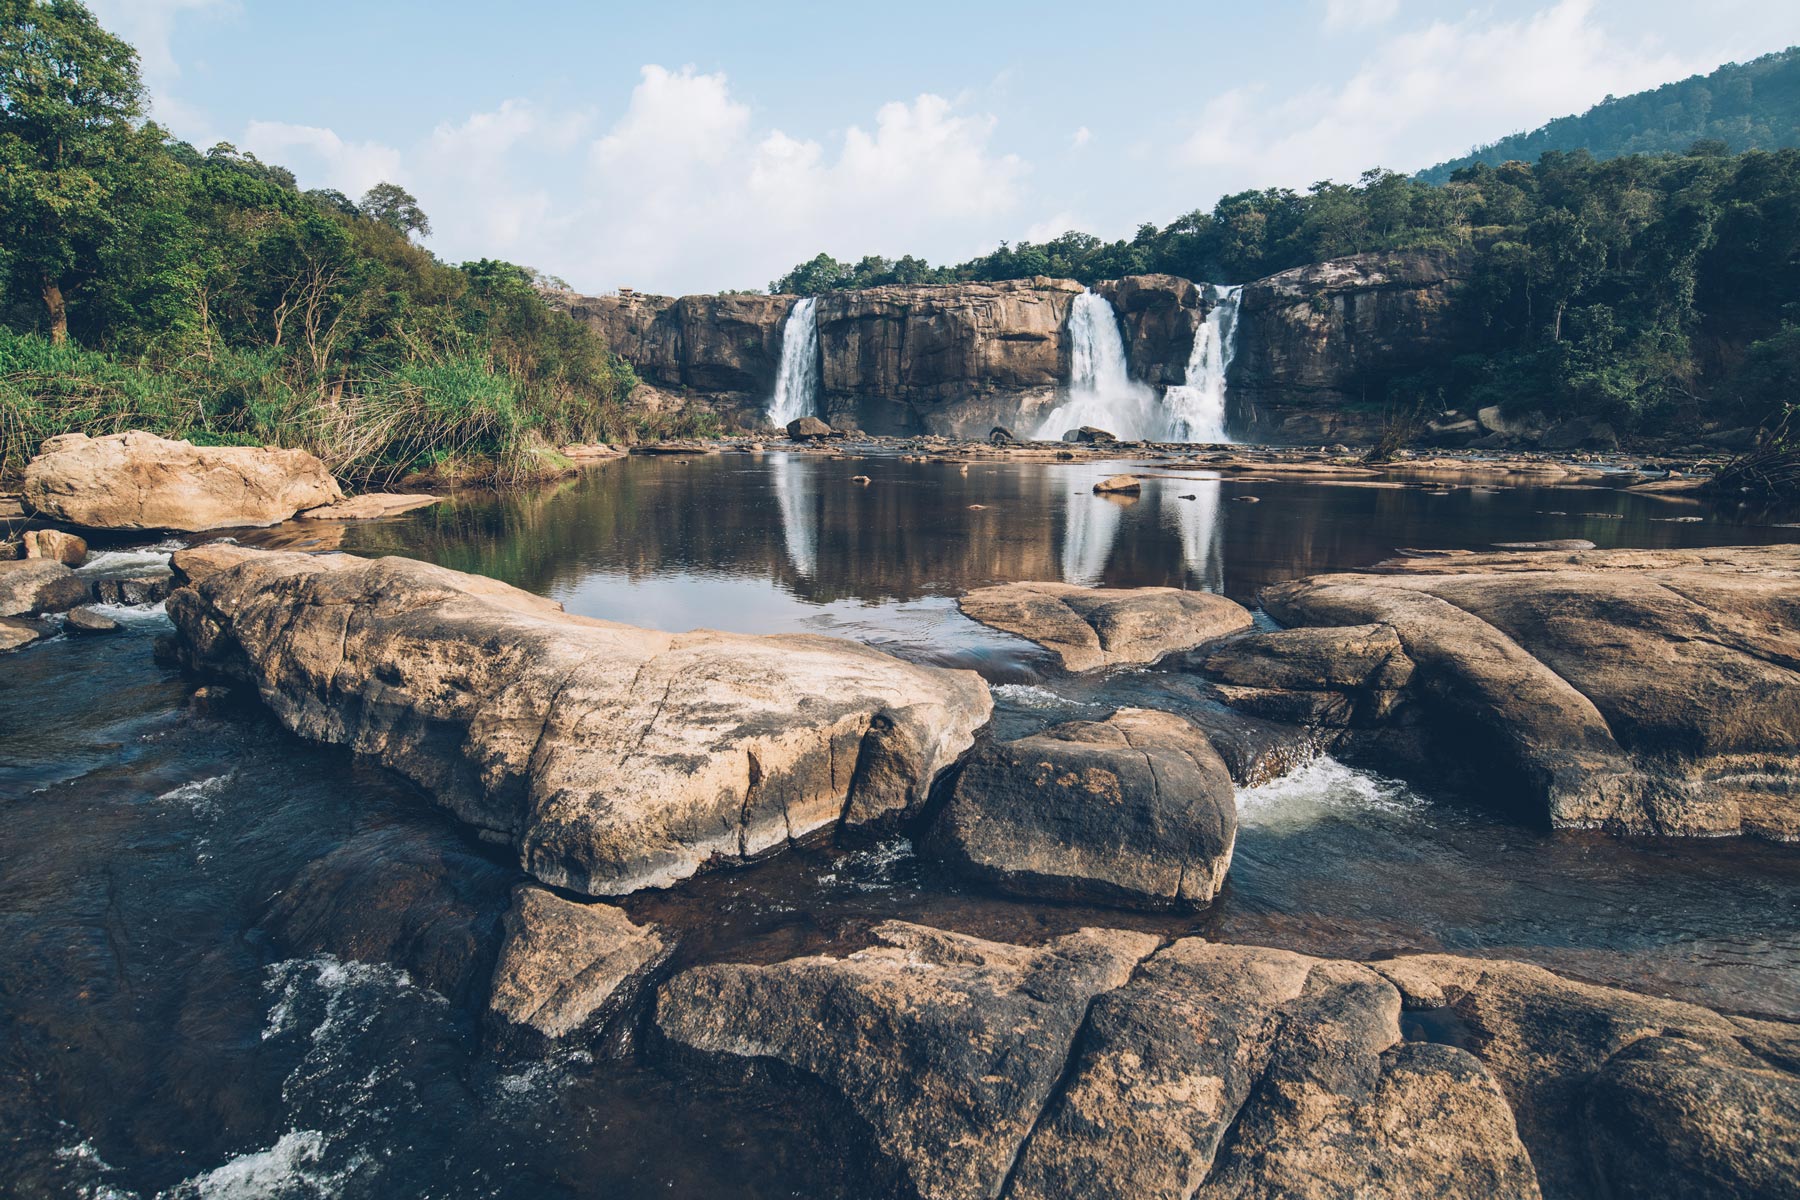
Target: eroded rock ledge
{"points": [[1100, 1065], [611, 758]]}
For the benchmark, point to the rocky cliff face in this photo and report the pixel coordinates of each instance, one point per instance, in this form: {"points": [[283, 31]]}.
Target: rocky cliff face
{"points": [[1318, 345], [1159, 315]]}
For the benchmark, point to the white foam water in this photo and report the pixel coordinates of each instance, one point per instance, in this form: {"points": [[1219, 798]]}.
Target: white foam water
{"points": [[1195, 408], [1322, 789], [1101, 391], [797, 375]]}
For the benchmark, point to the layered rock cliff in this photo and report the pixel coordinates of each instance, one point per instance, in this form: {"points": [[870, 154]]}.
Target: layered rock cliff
{"points": [[1318, 346]]}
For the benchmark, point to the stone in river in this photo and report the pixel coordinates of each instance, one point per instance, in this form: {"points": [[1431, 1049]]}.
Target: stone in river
{"points": [[808, 429], [1137, 810], [1096, 627], [87, 620], [140, 481], [40, 585], [611, 758], [565, 964], [1088, 435], [1119, 483], [15, 633], [369, 506], [56, 546]]}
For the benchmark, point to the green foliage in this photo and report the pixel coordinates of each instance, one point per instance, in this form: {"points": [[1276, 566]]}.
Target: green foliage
{"points": [[1749, 106]]}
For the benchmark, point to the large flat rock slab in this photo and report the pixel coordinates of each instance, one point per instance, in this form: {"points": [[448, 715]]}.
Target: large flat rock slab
{"points": [[1200, 1071], [1641, 691], [1100, 627], [611, 758], [140, 481]]}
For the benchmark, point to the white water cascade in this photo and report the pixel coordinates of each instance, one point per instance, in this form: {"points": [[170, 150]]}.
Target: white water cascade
{"points": [[1195, 409], [797, 376], [1101, 391]]}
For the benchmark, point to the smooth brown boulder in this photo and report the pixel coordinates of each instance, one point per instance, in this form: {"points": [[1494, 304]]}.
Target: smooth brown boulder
{"points": [[947, 1045], [54, 545], [611, 758], [140, 481], [86, 620], [39, 585], [370, 506], [1137, 810], [1119, 483], [808, 429], [1325, 677], [1641, 691], [564, 964], [1097, 627]]}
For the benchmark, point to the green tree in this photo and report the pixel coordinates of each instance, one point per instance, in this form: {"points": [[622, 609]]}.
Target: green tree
{"points": [[396, 208], [70, 148]]}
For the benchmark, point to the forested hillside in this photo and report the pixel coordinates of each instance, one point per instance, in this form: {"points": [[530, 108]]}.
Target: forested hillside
{"points": [[1740, 106], [147, 284]]}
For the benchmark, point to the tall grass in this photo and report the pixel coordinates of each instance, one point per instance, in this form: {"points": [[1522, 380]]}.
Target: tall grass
{"points": [[457, 417]]}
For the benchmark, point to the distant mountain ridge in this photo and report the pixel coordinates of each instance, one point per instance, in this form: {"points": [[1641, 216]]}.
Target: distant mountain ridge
{"points": [[1748, 106]]}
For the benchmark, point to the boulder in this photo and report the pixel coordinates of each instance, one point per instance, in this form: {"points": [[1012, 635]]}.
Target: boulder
{"points": [[1087, 435], [15, 633], [1334, 677], [40, 585], [610, 758], [370, 506], [809, 429], [134, 589], [1000, 435], [140, 481], [1119, 483], [87, 620], [1137, 810], [947, 1046], [1638, 691], [55, 545], [1096, 627], [565, 964]]}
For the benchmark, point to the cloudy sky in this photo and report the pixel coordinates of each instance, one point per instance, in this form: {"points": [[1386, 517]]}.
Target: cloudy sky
{"points": [[683, 147]]}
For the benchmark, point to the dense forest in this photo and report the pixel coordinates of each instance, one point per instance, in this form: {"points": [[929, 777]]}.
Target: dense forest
{"points": [[202, 294], [1743, 106], [1641, 289]]}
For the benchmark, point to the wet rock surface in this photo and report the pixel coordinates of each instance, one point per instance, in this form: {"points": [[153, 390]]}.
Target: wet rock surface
{"points": [[85, 620], [1642, 691], [1206, 1070], [1097, 627], [15, 633], [565, 964], [611, 758], [1137, 810], [1320, 677], [40, 585], [136, 480], [370, 506]]}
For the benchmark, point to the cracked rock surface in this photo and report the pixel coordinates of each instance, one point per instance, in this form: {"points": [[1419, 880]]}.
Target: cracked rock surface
{"points": [[1101, 627], [1099, 1065], [611, 758]]}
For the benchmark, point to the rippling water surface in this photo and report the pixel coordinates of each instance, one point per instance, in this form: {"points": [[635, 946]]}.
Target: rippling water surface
{"points": [[187, 1011]]}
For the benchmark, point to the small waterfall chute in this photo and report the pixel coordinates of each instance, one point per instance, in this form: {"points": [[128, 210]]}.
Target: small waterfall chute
{"points": [[1195, 409], [1101, 391], [797, 375]]}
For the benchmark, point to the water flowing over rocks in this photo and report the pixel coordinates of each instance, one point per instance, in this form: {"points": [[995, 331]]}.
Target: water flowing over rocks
{"points": [[1100, 1065], [1097, 627], [1639, 691], [610, 758], [566, 964], [140, 481], [1137, 810]]}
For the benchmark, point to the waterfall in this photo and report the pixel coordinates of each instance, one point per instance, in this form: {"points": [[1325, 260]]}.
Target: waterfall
{"points": [[1195, 410], [1101, 391], [797, 378]]}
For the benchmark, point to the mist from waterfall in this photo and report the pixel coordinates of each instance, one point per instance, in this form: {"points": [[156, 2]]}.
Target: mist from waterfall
{"points": [[797, 376], [1195, 409], [1101, 391]]}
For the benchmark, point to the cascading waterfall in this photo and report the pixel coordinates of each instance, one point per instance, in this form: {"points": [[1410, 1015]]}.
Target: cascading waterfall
{"points": [[797, 376], [1101, 390], [1195, 409]]}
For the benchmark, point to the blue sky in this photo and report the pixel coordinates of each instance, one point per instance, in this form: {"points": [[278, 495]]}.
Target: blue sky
{"points": [[691, 147]]}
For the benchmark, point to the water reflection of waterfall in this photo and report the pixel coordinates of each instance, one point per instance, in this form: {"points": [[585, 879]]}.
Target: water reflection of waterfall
{"points": [[1101, 391], [1195, 409], [1090, 527], [797, 375], [797, 494], [1197, 523]]}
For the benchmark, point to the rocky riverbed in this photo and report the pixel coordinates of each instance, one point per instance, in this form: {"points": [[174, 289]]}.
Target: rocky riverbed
{"points": [[1077, 847]]}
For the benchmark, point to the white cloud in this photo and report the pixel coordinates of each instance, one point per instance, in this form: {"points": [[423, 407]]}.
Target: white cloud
{"points": [[1426, 95], [1359, 14], [1081, 137], [149, 25], [321, 157]]}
